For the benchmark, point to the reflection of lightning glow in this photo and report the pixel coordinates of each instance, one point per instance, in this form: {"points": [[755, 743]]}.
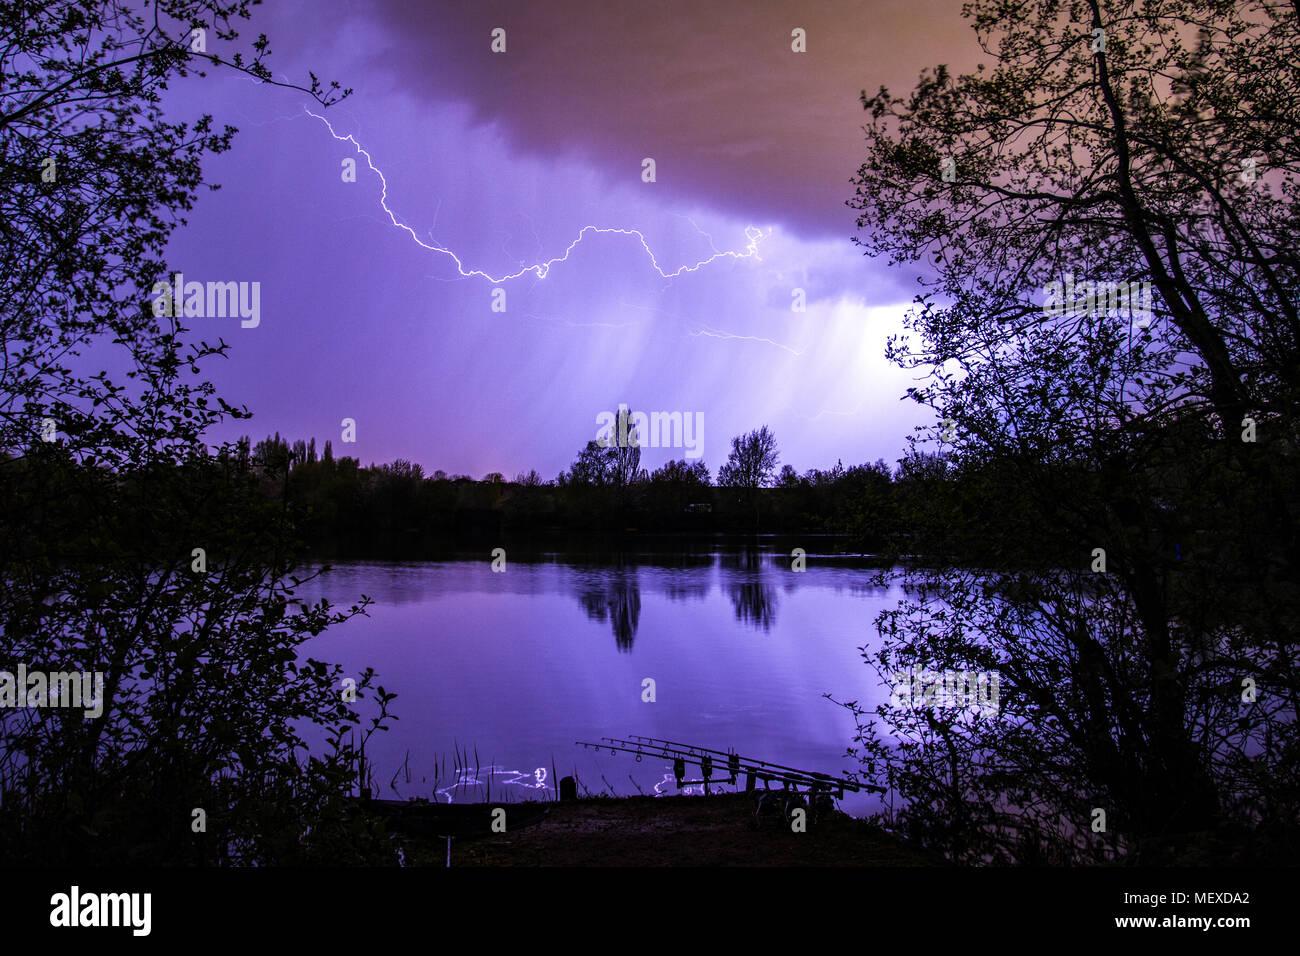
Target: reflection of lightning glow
{"points": [[467, 777], [540, 269], [668, 780]]}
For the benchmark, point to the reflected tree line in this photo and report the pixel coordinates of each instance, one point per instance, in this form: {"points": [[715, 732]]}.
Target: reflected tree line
{"points": [[616, 597]]}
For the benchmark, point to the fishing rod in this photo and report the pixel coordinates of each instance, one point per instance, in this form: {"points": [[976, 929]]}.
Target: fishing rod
{"points": [[764, 763], [690, 747], [734, 764], [679, 764]]}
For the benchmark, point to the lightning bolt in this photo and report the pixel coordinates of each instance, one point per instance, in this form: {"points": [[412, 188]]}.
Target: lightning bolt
{"points": [[827, 411], [580, 325], [718, 334], [540, 269], [708, 332]]}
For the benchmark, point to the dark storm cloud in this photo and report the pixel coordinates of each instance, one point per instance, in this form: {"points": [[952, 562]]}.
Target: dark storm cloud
{"points": [[712, 91]]}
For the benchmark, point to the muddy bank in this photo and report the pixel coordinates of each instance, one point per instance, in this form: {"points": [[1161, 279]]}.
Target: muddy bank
{"points": [[671, 831]]}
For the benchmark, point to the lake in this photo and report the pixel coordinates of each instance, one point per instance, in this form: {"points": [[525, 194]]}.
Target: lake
{"points": [[520, 664]]}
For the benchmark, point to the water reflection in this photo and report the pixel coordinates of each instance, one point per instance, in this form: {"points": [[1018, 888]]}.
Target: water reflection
{"points": [[506, 660], [746, 558], [687, 591], [619, 602], [608, 587], [475, 783], [754, 603], [753, 599]]}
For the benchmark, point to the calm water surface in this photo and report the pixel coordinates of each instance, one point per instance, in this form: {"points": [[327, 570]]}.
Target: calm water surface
{"points": [[519, 665]]}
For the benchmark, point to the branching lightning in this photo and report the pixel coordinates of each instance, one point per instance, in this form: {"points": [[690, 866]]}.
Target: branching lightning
{"points": [[718, 334], [541, 269]]}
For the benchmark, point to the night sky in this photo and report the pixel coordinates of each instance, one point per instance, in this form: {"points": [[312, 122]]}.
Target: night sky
{"points": [[501, 159]]}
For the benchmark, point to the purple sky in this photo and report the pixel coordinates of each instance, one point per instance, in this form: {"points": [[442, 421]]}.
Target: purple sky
{"points": [[502, 159]]}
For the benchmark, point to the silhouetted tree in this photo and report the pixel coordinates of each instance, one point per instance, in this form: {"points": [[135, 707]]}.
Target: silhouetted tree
{"points": [[676, 484], [128, 549], [788, 478], [1077, 425], [750, 465]]}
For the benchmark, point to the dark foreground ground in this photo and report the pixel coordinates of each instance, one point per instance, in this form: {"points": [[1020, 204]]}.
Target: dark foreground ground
{"points": [[672, 831]]}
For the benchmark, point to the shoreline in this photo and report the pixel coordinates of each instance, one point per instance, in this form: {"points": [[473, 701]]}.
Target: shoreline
{"points": [[677, 830]]}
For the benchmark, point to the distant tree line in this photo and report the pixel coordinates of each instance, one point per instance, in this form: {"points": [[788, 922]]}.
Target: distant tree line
{"points": [[344, 509]]}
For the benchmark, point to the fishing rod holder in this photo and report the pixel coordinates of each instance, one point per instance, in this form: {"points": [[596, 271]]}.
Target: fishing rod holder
{"points": [[708, 759], [706, 774]]}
